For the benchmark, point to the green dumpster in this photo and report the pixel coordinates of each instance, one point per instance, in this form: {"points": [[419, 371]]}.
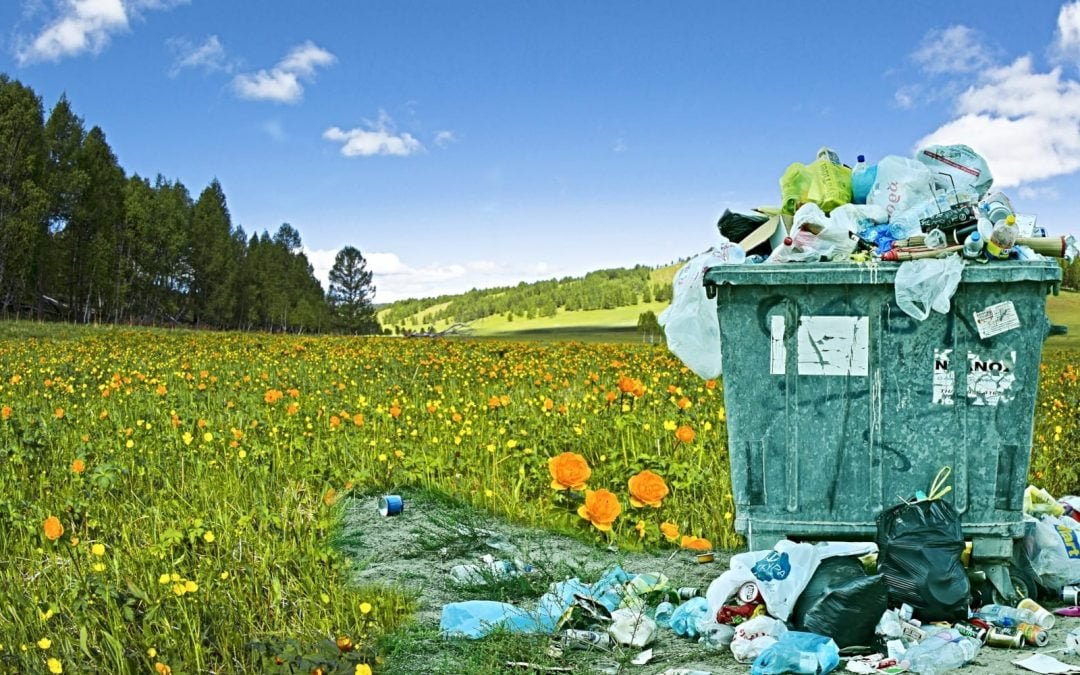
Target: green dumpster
{"points": [[839, 404]]}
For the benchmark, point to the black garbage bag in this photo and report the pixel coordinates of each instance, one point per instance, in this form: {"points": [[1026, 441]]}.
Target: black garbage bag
{"points": [[842, 602], [920, 545], [735, 226]]}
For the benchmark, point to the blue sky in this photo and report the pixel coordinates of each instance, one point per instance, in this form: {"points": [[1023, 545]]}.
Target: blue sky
{"points": [[462, 144]]}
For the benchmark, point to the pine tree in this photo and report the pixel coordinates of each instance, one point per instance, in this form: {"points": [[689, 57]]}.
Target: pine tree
{"points": [[352, 292]]}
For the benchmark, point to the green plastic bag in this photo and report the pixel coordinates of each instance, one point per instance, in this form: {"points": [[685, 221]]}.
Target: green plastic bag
{"points": [[826, 184]]}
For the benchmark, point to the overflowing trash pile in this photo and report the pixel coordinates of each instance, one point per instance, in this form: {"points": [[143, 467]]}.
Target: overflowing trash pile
{"points": [[933, 214], [904, 603]]}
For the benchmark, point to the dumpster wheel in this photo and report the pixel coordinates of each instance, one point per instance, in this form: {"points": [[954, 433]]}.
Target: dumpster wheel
{"points": [[1022, 585]]}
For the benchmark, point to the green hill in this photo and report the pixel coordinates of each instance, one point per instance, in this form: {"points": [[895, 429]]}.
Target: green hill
{"points": [[616, 323]]}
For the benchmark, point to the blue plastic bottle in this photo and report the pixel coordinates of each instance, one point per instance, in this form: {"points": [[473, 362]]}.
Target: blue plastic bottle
{"points": [[862, 180]]}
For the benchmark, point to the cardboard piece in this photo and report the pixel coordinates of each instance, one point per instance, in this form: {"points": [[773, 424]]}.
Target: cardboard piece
{"points": [[772, 230]]}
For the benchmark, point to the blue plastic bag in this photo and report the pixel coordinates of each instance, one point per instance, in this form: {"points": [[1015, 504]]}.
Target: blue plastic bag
{"points": [[684, 620], [801, 653]]}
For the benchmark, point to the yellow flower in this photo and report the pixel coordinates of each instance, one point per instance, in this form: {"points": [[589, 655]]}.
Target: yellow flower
{"points": [[601, 508], [670, 530], [164, 579], [44, 643], [365, 608], [568, 471], [55, 667], [640, 527], [187, 438], [669, 425], [208, 537], [98, 549], [190, 586], [363, 669], [207, 437], [162, 669], [151, 652], [98, 567]]}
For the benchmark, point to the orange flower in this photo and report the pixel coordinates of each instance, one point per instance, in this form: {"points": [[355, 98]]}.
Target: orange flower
{"points": [[162, 669], [78, 466], [335, 421], [358, 420], [569, 471], [5, 412], [639, 390], [161, 390], [626, 384], [670, 530], [272, 396], [601, 508], [610, 397], [683, 403], [292, 409], [548, 404], [695, 543], [329, 497], [647, 488], [710, 384], [59, 413], [685, 434], [53, 529], [494, 402], [395, 411]]}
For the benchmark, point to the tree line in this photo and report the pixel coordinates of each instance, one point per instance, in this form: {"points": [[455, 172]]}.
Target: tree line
{"points": [[602, 289], [82, 241]]}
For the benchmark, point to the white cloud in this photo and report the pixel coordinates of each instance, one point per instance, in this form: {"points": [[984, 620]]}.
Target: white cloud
{"points": [[906, 96], [378, 138], [282, 83], [952, 50], [1067, 40], [396, 280], [209, 56], [1025, 123], [445, 138], [83, 26], [1039, 193], [274, 129]]}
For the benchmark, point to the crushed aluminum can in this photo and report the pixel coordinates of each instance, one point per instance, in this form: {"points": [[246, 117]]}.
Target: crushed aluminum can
{"points": [[687, 592], [1007, 638], [585, 639], [749, 593], [1070, 595]]}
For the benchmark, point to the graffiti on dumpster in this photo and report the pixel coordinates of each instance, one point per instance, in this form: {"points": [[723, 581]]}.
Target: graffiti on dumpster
{"points": [[990, 382]]}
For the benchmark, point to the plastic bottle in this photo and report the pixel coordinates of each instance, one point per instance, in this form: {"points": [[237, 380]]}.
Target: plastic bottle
{"points": [[862, 180], [1003, 615], [935, 238], [1003, 238], [973, 246], [997, 207], [941, 652]]}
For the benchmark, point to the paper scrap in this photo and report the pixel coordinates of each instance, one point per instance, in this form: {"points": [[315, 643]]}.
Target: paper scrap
{"points": [[997, 319], [1048, 665], [834, 345], [643, 658], [777, 350]]}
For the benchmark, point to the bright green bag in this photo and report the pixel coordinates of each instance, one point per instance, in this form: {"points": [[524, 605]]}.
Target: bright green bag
{"points": [[826, 184]]}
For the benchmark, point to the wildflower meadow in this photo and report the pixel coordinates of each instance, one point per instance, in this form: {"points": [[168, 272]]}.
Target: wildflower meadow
{"points": [[169, 500]]}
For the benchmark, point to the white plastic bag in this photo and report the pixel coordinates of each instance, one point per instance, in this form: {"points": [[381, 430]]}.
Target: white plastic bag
{"points": [[829, 231], [969, 171], [755, 636], [902, 184], [1056, 558], [922, 285], [690, 323], [780, 574]]}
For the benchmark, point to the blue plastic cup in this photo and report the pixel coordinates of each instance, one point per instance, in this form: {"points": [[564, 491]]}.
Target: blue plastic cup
{"points": [[391, 505]]}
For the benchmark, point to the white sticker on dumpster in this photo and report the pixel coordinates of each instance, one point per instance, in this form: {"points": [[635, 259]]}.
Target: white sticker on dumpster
{"points": [[990, 381], [997, 319], [944, 379], [777, 350], [834, 345]]}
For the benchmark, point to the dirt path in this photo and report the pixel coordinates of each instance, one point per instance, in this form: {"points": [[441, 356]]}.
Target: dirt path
{"points": [[417, 550]]}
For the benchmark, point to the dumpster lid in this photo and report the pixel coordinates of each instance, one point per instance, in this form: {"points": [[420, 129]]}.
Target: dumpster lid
{"points": [[843, 273]]}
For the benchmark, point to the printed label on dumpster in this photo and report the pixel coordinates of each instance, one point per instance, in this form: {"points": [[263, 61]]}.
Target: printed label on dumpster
{"points": [[997, 319], [944, 379], [990, 381], [834, 345], [777, 350]]}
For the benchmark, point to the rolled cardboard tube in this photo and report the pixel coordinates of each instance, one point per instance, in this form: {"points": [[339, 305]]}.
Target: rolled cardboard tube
{"points": [[1048, 246]]}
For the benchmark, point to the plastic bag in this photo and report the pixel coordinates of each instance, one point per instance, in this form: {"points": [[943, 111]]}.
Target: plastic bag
{"points": [[842, 602], [922, 285], [902, 184], [1056, 558], [780, 574], [822, 182], [920, 548], [755, 636], [690, 323], [686, 618], [835, 230], [1038, 502], [632, 627], [796, 652], [967, 168]]}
